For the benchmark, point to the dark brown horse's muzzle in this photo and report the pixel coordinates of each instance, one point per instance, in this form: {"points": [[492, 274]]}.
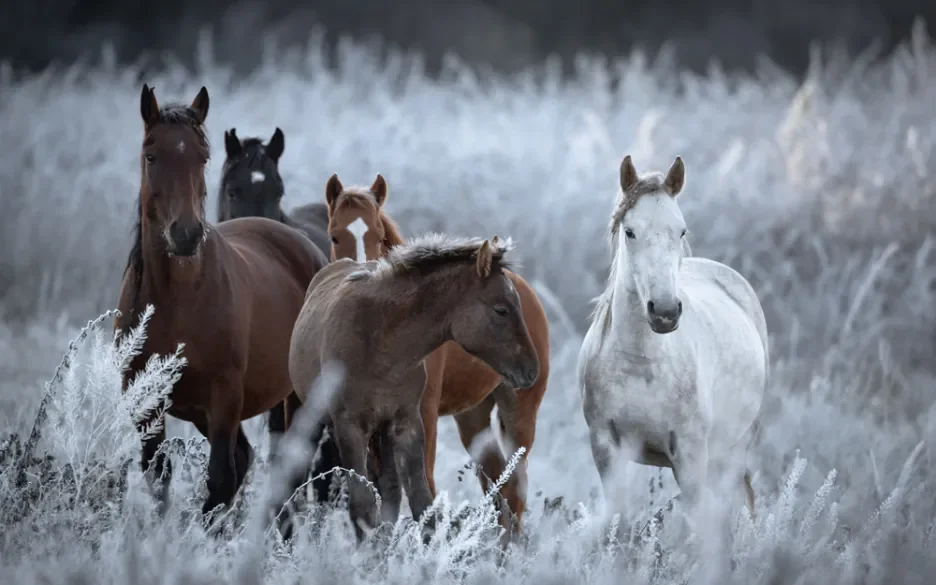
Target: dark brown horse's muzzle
{"points": [[185, 237]]}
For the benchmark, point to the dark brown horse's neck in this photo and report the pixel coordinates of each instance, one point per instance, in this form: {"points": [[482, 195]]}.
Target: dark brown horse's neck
{"points": [[420, 311], [166, 278]]}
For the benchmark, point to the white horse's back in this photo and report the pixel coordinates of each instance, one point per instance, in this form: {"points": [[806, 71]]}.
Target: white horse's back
{"points": [[726, 320], [733, 285]]}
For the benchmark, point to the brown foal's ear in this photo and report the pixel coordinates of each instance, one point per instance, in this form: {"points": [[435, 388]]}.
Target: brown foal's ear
{"points": [[332, 190], [485, 257]]}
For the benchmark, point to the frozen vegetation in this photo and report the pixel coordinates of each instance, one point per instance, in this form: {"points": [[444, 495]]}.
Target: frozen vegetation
{"points": [[821, 192]]}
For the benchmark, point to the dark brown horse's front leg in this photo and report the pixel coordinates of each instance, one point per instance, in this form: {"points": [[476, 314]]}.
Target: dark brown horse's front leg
{"points": [[223, 428], [161, 471]]}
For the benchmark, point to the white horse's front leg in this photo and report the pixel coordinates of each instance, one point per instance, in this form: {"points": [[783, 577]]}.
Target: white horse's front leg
{"points": [[690, 461], [603, 453]]}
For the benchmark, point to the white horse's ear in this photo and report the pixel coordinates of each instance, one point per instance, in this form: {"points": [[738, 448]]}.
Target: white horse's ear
{"points": [[628, 174], [676, 177]]}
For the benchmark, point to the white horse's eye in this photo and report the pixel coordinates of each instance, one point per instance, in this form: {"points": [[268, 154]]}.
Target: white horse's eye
{"points": [[683, 234], [629, 234]]}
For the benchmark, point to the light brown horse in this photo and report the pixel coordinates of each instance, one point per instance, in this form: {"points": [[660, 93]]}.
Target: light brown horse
{"points": [[381, 320], [230, 293], [459, 384]]}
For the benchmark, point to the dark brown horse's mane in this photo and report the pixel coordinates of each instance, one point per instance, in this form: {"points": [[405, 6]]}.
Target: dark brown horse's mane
{"points": [[431, 252], [362, 198], [172, 113]]}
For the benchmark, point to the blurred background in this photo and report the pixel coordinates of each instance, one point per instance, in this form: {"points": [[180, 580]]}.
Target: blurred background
{"points": [[809, 171], [504, 34]]}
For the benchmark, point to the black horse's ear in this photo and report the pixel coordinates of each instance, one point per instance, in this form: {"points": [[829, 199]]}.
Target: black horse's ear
{"points": [[149, 107], [232, 145], [276, 145]]}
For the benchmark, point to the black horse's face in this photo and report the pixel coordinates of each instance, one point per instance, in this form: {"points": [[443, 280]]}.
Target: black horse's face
{"points": [[251, 185]]}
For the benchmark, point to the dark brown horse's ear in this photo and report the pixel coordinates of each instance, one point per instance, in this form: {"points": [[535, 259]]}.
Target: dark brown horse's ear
{"points": [[485, 257], [676, 177], [200, 105], [333, 189], [149, 107], [628, 174], [277, 144], [379, 189], [232, 144]]}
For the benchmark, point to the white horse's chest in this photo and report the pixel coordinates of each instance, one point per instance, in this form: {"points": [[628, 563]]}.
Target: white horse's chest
{"points": [[640, 391]]}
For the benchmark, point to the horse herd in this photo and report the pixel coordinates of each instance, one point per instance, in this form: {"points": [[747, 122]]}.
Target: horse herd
{"points": [[672, 369]]}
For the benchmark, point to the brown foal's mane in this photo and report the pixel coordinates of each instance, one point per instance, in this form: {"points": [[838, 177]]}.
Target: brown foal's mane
{"points": [[433, 251]]}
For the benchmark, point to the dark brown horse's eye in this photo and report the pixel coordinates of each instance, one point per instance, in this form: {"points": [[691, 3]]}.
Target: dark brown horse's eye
{"points": [[334, 240], [150, 158], [501, 310]]}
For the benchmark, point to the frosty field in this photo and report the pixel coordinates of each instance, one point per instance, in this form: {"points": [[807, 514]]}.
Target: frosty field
{"points": [[820, 192]]}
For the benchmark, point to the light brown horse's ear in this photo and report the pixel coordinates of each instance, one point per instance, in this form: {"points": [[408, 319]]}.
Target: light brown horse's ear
{"points": [[332, 190], [149, 107], [485, 257], [379, 189], [676, 177], [200, 105], [628, 174]]}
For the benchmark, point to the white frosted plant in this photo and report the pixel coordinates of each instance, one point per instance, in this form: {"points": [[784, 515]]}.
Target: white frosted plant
{"points": [[85, 435], [92, 424]]}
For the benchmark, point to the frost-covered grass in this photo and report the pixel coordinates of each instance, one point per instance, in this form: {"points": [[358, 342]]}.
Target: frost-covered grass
{"points": [[820, 192]]}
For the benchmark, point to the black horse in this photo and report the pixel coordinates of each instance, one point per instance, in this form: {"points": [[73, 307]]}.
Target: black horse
{"points": [[251, 185]]}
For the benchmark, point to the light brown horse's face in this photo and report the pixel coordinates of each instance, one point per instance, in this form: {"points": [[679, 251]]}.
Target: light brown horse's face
{"points": [[489, 324], [173, 162], [356, 233], [354, 224]]}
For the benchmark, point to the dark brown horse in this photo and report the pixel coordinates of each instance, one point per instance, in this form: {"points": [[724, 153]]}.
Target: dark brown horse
{"points": [[459, 384], [251, 186], [231, 293], [380, 320]]}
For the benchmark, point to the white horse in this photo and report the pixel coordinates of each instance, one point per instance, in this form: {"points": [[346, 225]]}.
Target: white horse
{"points": [[674, 365]]}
